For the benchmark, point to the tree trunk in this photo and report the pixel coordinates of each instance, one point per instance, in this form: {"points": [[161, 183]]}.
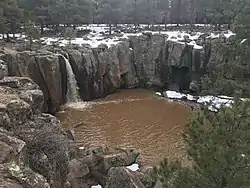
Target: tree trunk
{"points": [[165, 22], [56, 28], [30, 46], [42, 28], [8, 37], [219, 27], [110, 28]]}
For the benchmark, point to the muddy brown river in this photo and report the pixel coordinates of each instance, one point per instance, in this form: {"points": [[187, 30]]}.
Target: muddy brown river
{"points": [[131, 118]]}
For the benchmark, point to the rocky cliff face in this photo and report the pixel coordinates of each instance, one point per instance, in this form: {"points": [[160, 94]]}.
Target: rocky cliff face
{"points": [[140, 61], [26, 136], [37, 153]]}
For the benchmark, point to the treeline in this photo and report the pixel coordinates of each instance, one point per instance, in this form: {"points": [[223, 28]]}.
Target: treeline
{"points": [[14, 13]]}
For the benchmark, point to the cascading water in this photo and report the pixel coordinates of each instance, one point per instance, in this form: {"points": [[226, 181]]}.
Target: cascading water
{"points": [[72, 89]]}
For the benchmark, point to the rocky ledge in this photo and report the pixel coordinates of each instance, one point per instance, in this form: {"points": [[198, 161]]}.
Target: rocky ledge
{"points": [[148, 60], [37, 153]]}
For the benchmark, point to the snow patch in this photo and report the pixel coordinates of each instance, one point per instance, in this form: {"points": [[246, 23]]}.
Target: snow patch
{"points": [[96, 186], [244, 40], [229, 34], [174, 95], [193, 43], [133, 167], [158, 93], [213, 102]]}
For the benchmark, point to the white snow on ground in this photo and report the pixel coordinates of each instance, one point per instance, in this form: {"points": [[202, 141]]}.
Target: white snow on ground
{"points": [[193, 43], [96, 186], [229, 34], [133, 167], [17, 35], [244, 40], [158, 93], [174, 95], [213, 101], [96, 37]]}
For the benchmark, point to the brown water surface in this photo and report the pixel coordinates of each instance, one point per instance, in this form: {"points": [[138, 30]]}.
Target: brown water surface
{"points": [[132, 118]]}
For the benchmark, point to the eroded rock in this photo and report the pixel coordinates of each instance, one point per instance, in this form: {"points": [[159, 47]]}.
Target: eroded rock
{"points": [[124, 158], [27, 177], [123, 178]]}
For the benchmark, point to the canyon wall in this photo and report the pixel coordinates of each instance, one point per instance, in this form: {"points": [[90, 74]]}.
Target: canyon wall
{"points": [[147, 61]]}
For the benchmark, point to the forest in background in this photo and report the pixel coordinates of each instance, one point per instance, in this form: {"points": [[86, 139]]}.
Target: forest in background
{"points": [[15, 13]]}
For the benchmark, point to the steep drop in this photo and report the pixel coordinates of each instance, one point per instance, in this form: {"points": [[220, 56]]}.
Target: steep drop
{"points": [[72, 88]]}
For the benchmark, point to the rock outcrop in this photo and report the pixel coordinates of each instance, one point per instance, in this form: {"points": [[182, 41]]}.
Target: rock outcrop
{"points": [[21, 101], [148, 60], [123, 178], [35, 151], [44, 68]]}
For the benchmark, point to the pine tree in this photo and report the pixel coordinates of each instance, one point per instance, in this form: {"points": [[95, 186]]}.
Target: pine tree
{"points": [[241, 23], [111, 12], [218, 144], [11, 16], [32, 32]]}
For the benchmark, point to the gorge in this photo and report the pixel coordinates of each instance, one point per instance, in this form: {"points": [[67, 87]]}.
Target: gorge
{"points": [[144, 61], [73, 74]]}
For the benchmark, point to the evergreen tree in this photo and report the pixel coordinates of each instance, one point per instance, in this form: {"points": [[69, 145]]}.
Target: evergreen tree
{"points": [[111, 12], [32, 32], [241, 23], [11, 16], [218, 144], [40, 10], [217, 12], [232, 74]]}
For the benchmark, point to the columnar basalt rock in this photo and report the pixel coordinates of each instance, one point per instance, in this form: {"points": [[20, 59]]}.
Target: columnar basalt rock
{"points": [[148, 60]]}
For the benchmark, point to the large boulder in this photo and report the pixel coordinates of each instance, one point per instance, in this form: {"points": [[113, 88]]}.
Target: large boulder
{"points": [[27, 177], [10, 140], [37, 141], [6, 152], [125, 157], [13, 173], [26, 90], [121, 177], [44, 68], [215, 55], [147, 176], [85, 67], [50, 78], [78, 169]]}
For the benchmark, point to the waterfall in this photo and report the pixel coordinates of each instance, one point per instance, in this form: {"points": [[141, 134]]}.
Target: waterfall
{"points": [[72, 89]]}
